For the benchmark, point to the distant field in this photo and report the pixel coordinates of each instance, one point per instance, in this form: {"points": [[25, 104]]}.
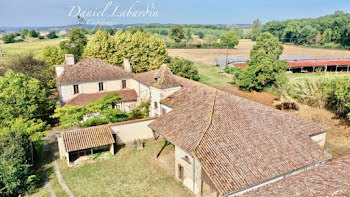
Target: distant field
{"points": [[34, 46], [207, 56]]}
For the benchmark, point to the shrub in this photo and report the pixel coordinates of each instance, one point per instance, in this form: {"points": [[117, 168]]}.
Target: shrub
{"points": [[52, 35], [33, 34], [9, 38], [17, 177], [183, 68]]}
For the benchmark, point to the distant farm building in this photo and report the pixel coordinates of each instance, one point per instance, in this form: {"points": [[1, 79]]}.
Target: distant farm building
{"points": [[312, 65], [230, 62], [44, 33]]}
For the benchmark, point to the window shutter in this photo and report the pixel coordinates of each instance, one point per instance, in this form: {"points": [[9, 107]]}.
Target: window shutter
{"points": [[98, 87], [72, 89], [80, 89]]}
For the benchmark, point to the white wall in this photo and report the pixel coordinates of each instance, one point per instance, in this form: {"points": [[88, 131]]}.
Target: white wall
{"points": [[193, 164], [129, 132], [66, 90], [320, 139], [156, 96]]}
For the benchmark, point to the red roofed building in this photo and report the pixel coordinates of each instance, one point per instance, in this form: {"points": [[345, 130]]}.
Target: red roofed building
{"points": [[313, 64]]}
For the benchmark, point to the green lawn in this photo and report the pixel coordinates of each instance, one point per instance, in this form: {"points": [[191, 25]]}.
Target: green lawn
{"points": [[128, 173], [210, 75], [34, 46]]}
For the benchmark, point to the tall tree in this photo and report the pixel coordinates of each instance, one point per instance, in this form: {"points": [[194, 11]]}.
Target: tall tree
{"points": [[75, 44], [22, 97], [100, 46], [52, 55], [256, 29], [263, 70], [229, 39], [32, 33], [177, 33], [24, 33]]}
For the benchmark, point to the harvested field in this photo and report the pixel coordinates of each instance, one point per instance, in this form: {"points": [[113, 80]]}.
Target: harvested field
{"points": [[207, 56]]}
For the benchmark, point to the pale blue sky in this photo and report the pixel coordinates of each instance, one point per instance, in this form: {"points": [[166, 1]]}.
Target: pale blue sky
{"points": [[55, 12]]}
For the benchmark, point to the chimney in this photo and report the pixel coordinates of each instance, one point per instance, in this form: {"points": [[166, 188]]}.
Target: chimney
{"points": [[59, 70], [69, 59], [127, 66]]}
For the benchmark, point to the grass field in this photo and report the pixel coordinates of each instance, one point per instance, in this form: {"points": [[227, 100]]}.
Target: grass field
{"points": [[34, 46], [210, 75], [207, 56], [129, 173]]}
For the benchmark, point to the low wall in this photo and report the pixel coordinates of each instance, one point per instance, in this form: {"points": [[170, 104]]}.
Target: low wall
{"points": [[128, 132]]}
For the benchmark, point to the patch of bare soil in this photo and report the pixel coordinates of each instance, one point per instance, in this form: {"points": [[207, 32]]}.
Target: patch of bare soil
{"points": [[259, 97]]}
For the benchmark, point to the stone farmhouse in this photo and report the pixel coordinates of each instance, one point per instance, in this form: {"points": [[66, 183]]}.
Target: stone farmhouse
{"points": [[225, 145]]}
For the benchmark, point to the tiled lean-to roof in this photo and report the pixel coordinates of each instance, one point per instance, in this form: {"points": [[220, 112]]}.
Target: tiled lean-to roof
{"points": [[238, 142], [91, 70], [161, 78], [91, 137], [331, 179], [83, 99]]}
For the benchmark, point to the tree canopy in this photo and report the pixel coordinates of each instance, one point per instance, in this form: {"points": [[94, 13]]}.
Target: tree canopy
{"points": [[75, 44], [148, 52], [183, 68], [177, 33], [22, 97], [256, 29], [263, 70], [229, 39], [52, 55], [9, 38], [334, 30]]}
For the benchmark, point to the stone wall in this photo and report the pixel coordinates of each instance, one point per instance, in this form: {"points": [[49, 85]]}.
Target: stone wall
{"points": [[127, 133], [192, 168]]}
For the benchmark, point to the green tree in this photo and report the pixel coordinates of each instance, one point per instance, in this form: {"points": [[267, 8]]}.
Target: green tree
{"points": [[210, 38], [100, 46], [189, 34], [255, 30], [263, 70], [183, 68], [32, 33], [200, 34], [17, 176], [9, 38], [52, 56], [177, 33], [147, 51], [75, 44], [24, 33], [52, 35], [22, 97], [34, 68], [229, 39], [327, 36]]}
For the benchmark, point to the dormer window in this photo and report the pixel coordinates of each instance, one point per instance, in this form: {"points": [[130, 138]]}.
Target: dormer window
{"points": [[76, 89], [100, 86]]}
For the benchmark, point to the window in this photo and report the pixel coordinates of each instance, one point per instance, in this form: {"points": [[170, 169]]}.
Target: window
{"points": [[117, 106], [100, 86], [155, 105], [76, 89], [123, 84], [181, 172]]}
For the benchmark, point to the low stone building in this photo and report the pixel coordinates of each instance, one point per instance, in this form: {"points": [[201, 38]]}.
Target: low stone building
{"points": [[80, 142], [226, 145]]}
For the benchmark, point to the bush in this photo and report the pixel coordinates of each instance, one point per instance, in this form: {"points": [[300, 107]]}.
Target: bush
{"points": [[33, 34], [183, 68], [9, 38], [17, 177], [52, 35]]}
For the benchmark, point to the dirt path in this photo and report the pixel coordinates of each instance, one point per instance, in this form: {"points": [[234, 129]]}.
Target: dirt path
{"points": [[52, 147], [48, 185]]}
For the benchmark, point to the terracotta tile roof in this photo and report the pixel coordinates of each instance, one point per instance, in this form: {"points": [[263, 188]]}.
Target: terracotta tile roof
{"points": [[83, 99], [91, 70], [161, 78], [81, 139], [331, 179], [165, 78], [238, 142], [147, 78]]}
